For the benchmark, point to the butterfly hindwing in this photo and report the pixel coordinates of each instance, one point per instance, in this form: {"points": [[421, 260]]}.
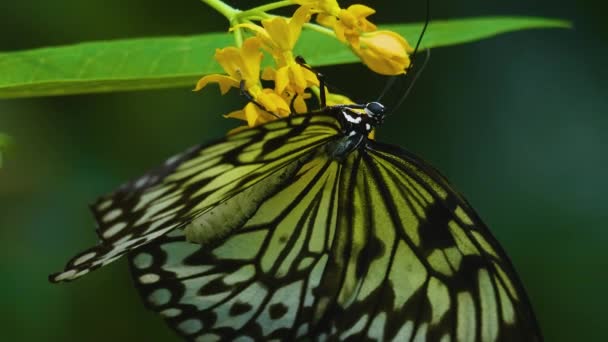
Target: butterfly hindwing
{"points": [[377, 246], [190, 185]]}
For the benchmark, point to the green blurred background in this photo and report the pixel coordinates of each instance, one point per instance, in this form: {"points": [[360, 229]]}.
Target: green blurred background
{"points": [[518, 123]]}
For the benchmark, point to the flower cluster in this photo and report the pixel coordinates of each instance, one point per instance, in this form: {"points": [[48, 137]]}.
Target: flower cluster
{"points": [[383, 51]]}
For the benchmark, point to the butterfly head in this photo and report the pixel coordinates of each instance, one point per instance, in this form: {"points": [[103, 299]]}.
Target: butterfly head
{"points": [[376, 112]]}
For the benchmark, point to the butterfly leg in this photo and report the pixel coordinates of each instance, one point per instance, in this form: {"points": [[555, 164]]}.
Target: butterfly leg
{"points": [[292, 108], [300, 60], [323, 97], [251, 99]]}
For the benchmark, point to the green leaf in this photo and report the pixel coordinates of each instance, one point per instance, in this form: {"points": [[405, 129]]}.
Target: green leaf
{"points": [[439, 33], [152, 63], [451, 32]]}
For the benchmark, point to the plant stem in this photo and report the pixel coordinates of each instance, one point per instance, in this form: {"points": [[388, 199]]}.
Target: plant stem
{"points": [[238, 37], [260, 12], [320, 29], [236, 16], [222, 8], [232, 14], [271, 6]]}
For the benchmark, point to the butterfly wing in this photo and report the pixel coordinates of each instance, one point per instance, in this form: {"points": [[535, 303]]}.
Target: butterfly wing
{"points": [[260, 281], [430, 269], [377, 246], [233, 173]]}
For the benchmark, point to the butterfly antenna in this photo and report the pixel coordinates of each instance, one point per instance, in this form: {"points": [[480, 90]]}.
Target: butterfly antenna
{"points": [[387, 87], [426, 25], [411, 85], [392, 80]]}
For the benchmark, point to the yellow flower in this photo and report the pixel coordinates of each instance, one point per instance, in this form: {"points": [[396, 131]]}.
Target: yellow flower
{"points": [[279, 37], [254, 115], [292, 78], [330, 7], [385, 52], [243, 64], [286, 89], [350, 23], [299, 104]]}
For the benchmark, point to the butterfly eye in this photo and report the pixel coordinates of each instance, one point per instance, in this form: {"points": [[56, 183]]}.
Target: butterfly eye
{"points": [[374, 109]]}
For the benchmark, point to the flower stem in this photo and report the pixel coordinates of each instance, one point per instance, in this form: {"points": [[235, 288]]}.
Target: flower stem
{"points": [[232, 14], [320, 29], [222, 8], [270, 6], [236, 16]]}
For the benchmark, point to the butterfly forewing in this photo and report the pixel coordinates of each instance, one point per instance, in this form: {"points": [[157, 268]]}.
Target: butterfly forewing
{"points": [[191, 184], [261, 281]]}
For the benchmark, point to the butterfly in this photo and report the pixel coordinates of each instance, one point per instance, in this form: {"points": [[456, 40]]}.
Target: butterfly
{"points": [[304, 228]]}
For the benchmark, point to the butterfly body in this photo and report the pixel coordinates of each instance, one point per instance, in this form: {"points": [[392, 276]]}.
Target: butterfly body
{"points": [[355, 127], [304, 228]]}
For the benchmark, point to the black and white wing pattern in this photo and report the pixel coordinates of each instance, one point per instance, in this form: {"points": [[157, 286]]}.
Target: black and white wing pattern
{"points": [[376, 246], [196, 187]]}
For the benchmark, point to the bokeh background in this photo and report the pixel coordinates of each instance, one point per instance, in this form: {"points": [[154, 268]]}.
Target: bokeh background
{"points": [[518, 123]]}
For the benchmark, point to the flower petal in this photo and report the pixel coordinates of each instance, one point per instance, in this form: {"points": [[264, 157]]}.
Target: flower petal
{"points": [[252, 59], [330, 7], [281, 80], [261, 33], [298, 79], [299, 18], [225, 82], [269, 74], [299, 104], [385, 52], [273, 102], [277, 29], [237, 114], [242, 63], [326, 20], [361, 11], [252, 114]]}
